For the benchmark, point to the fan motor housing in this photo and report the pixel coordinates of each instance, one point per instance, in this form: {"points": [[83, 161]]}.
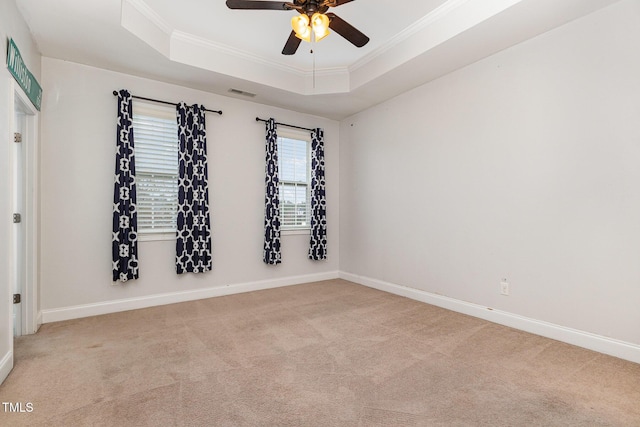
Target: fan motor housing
{"points": [[311, 7]]}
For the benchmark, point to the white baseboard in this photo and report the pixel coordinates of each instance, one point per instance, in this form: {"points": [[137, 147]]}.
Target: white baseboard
{"points": [[86, 310], [601, 344], [610, 346], [6, 365]]}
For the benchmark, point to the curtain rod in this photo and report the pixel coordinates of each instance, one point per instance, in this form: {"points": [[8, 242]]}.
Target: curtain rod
{"points": [[164, 102], [258, 119]]}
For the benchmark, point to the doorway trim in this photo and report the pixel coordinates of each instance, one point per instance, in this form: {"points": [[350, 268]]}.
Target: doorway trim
{"points": [[31, 317]]}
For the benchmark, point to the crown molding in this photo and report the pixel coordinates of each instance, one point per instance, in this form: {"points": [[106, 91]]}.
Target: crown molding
{"points": [[434, 16], [148, 12], [238, 53], [190, 49], [184, 47], [444, 23]]}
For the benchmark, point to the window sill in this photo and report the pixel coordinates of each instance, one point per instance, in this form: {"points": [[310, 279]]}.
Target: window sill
{"points": [[152, 237], [295, 231]]}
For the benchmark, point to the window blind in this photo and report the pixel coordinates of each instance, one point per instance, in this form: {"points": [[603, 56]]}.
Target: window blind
{"points": [[156, 151], [294, 175]]}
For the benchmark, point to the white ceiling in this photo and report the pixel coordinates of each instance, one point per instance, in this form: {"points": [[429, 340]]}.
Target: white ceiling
{"points": [[204, 45]]}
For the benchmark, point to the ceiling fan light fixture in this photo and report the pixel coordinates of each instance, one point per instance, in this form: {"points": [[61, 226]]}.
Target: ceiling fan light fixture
{"points": [[300, 24], [320, 23], [305, 34], [311, 23]]}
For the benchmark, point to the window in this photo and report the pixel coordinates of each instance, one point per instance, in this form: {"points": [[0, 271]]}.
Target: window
{"points": [[155, 132], [294, 179]]}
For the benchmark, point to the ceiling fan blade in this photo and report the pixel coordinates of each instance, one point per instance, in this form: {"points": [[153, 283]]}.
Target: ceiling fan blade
{"points": [[347, 30], [335, 3], [291, 45], [258, 5]]}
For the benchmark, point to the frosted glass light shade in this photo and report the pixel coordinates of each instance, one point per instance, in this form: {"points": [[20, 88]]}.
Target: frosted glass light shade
{"points": [[320, 24], [300, 24]]}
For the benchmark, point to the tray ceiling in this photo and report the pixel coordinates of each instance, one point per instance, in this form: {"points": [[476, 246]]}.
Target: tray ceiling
{"points": [[204, 45]]}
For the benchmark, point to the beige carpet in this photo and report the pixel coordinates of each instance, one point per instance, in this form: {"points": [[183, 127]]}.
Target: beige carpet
{"points": [[322, 354]]}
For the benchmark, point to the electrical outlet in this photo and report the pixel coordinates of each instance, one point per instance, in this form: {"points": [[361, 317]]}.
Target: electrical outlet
{"points": [[504, 287]]}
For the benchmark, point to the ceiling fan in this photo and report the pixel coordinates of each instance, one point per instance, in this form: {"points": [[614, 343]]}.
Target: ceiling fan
{"points": [[312, 21]]}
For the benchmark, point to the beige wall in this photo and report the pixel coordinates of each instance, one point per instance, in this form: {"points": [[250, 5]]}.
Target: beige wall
{"points": [[78, 143], [523, 166]]}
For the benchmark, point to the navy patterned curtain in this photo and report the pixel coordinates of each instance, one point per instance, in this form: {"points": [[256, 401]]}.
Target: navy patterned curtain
{"points": [[271, 253], [318, 242], [193, 236], [124, 241]]}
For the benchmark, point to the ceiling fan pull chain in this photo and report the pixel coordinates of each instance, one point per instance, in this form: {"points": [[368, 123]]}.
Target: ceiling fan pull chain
{"points": [[313, 55]]}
